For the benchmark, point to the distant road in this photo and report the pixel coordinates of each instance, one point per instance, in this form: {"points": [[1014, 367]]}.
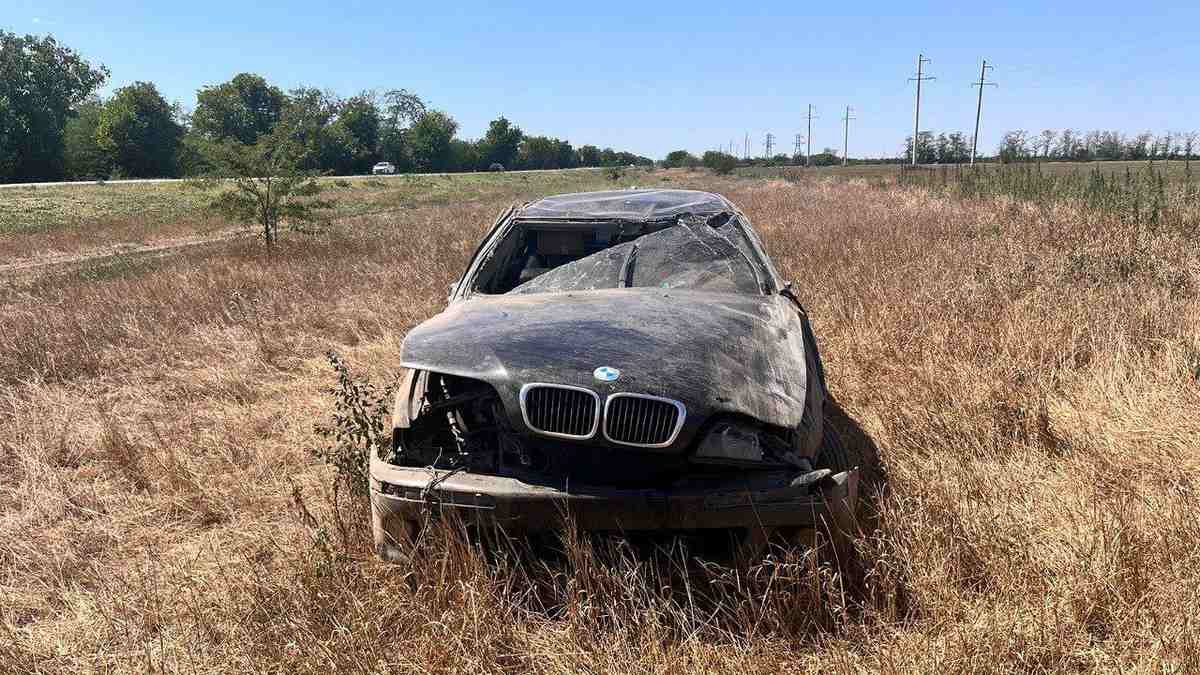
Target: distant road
{"points": [[147, 181]]}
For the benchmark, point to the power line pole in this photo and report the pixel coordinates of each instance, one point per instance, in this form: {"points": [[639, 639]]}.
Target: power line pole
{"points": [[921, 61], [979, 105], [769, 143], [746, 151], [808, 154], [846, 134], [799, 141]]}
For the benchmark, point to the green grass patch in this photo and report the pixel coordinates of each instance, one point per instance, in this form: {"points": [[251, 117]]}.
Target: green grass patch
{"points": [[95, 205]]}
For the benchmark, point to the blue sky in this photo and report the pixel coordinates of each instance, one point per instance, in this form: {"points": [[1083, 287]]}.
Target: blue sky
{"points": [[652, 77]]}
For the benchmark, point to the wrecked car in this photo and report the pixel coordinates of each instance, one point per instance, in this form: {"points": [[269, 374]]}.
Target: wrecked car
{"points": [[629, 359]]}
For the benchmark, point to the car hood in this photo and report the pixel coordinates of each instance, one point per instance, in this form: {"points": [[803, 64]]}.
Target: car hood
{"points": [[715, 352]]}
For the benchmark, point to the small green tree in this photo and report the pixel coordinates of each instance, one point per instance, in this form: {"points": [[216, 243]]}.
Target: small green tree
{"points": [[430, 141], [680, 158], [82, 155], [360, 118], [501, 143], [720, 162], [262, 184], [588, 155]]}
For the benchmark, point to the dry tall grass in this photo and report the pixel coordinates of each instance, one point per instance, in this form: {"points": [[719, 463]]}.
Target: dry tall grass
{"points": [[1030, 377]]}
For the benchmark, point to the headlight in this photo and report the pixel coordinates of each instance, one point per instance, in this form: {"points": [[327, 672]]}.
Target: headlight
{"points": [[729, 442], [744, 444]]}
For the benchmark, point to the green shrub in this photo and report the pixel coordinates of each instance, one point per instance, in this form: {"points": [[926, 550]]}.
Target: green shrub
{"points": [[358, 427]]}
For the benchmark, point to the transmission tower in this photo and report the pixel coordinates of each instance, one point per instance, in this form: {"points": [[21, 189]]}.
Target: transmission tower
{"points": [[799, 142], [769, 142]]}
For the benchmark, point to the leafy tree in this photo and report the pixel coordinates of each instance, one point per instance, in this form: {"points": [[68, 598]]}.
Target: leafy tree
{"points": [[308, 119], [957, 150], [680, 158], [564, 155], [394, 148], [1109, 145], [588, 155], [827, 157], [429, 141], [40, 83], [401, 110], [1188, 145], [539, 152], [1068, 144], [608, 157], [1164, 145], [82, 155], [927, 151], [193, 159], [628, 158], [501, 144], [1140, 146], [138, 131], [719, 162], [241, 109], [465, 156], [1044, 143], [361, 121], [941, 149], [1014, 146], [262, 184]]}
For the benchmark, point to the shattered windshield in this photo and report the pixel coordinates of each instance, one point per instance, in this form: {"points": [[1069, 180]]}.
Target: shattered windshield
{"points": [[702, 253]]}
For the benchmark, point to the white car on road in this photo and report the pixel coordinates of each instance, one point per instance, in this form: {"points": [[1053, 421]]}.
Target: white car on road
{"points": [[383, 168]]}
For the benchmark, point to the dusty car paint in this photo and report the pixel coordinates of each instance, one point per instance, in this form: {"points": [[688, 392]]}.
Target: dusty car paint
{"points": [[704, 322], [716, 352]]}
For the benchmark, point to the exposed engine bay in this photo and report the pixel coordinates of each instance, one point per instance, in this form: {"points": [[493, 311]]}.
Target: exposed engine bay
{"points": [[459, 423]]}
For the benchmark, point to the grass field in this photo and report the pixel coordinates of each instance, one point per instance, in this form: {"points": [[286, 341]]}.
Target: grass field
{"points": [[1028, 377], [75, 218]]}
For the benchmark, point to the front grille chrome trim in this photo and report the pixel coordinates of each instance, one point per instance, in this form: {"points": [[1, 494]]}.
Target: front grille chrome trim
{"points": [[682, 410], [525, 389]]}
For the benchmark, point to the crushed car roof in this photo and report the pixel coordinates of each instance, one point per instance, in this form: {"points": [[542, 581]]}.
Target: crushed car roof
{"points": [[625, 204]]}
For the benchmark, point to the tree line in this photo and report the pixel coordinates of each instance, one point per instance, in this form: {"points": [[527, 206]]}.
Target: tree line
{"points": [[1051, 144], [53, 126], [1072, 145]]}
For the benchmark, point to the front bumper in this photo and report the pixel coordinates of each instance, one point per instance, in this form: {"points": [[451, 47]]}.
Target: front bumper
{"points": [[402, 495]]}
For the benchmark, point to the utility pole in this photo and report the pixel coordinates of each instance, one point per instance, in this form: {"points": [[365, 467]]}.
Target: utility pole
{"points": [[846, 134], [808, 154], [746, 151], [769, 143], [979, 105], [921, 61]]}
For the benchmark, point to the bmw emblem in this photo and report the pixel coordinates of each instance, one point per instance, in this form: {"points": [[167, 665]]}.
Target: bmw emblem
{"points": [[606, 374]]}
